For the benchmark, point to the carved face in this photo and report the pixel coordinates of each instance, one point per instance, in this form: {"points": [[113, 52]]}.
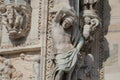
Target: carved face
{"points": [[67, 22]]}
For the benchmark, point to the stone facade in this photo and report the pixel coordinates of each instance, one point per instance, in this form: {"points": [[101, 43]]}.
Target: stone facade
{"points": [[27, 67], [27, 42]]}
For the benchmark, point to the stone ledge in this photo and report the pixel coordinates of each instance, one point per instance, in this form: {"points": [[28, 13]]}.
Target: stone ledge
{"points": [[21, 49]]}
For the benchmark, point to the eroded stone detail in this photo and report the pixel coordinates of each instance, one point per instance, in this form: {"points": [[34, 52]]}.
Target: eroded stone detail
{"points": [[49, 64], [91, 22], [36, 64], [64, 52], [8, 71], [16, 18]]}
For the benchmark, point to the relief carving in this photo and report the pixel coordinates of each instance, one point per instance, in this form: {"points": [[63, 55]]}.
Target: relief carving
{"points": [[16, 18], [36, 64], [72, 44], [8, 71], [91, 22], [65, 52]]}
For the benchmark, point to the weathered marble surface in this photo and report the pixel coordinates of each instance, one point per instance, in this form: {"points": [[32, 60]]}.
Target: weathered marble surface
{"points": [[111, 41], [23, 68], [33, 36]]}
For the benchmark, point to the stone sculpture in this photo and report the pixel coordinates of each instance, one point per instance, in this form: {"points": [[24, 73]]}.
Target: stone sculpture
{"points": [[36, 64], [67, 42], [91, 22], [5, 70], [16, 18], [9, 72], [89, 4], [84, 67]]}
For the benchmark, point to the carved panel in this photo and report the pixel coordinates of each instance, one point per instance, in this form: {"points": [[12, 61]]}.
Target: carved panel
{"points": [[22, 66], [16, 18], [33, 29]]}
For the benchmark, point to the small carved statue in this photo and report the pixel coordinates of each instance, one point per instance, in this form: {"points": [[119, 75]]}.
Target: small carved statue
{"points": [[91, 22], [84, 71], [6, 70], [16, 75], [89, 63], [36, 64], [67, 42], [8, 17]]}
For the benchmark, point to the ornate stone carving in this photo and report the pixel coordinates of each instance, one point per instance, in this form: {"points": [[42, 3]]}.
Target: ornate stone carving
{"points": [[36, 64], [8, 71], [62, 25], [91, 22], [85, 67], [68, 41], [16, 18], [85, 49]]}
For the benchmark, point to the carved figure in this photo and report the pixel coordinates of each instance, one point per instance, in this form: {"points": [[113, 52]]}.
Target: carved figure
{"points": [[91, 21], [84, 71], [13, 17], [9, 72], [2, 59], [19, 18], [16, 75], [8, 17], [36, 65], [67, 42], [89, 63], [87, 27], [5, 70]]}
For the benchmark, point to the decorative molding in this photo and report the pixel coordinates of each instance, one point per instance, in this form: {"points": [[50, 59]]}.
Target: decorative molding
{"points": [[21, 49], [43, 37], [49, 64], [100, 38], [40, 20]]}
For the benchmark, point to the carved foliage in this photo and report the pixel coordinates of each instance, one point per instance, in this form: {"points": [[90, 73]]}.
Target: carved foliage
{"points": [[49, 65]]}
